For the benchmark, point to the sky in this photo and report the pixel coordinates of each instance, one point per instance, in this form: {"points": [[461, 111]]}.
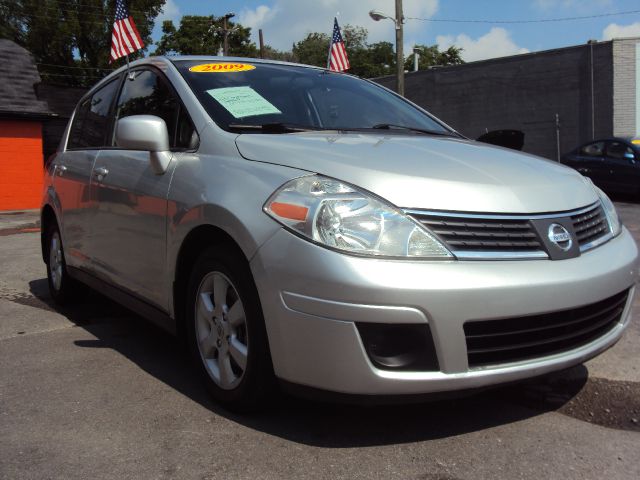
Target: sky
{"points": [[427, 21]]}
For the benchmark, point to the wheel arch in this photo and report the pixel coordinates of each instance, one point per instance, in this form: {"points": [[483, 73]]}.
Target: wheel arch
{"points": [[47, 218], [195, 242]]}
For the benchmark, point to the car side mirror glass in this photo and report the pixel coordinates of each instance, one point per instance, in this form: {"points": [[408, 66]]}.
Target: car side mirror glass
{"points": [[147, 133]]}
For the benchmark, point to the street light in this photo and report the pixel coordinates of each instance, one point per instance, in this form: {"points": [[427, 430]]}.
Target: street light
{"points": [[377, 15]]}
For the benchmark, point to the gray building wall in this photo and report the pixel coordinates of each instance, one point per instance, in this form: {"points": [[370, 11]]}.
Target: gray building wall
{"points": [[626, 73], [524, 92]]}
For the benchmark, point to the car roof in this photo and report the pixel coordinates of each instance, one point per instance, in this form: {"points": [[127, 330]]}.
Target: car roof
{"points": [[213, 58], [162, 60]]}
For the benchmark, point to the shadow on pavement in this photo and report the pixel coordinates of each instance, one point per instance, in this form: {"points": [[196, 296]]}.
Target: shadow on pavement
{"points": [[304, 421]]}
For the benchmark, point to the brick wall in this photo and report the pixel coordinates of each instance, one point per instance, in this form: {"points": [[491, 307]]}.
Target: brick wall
{"points": [[21, 166], [523, 92], [625, 87]]}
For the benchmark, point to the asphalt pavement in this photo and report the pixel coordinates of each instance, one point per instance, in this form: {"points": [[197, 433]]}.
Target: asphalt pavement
{"points": [[93, 391]]}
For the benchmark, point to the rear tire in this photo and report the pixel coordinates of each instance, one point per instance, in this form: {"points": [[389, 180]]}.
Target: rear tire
{"points": [[63, 289], [226, 332]]}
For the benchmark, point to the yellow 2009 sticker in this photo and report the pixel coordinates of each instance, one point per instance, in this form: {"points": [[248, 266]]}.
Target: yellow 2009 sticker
{"points": [[635, 142], [221, 67]]}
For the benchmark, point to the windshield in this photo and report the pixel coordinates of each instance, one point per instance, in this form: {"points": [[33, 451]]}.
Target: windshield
{"points": [[237, 95]]}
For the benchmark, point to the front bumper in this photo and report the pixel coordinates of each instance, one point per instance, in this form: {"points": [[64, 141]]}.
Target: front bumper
{"points": [[312, 297]]}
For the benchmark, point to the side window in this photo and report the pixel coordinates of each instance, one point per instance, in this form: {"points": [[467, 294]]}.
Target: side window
{"points": [[592, 150], [91, 122], [619, 151], [75, 134], [148, 94]]}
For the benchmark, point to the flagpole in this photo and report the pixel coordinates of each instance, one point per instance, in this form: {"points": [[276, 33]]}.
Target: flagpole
{"points": [[335, 19], [128, 67]]}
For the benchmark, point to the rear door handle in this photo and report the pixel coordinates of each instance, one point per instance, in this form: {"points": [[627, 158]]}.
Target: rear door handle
{"points": [[100, 173]]}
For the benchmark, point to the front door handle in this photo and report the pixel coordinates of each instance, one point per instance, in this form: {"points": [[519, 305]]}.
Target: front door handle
{"points": [[60, 169], [100, 173]]}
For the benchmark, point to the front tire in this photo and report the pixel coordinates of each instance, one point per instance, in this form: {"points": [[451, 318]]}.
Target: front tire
{"points": [[226, 331]]}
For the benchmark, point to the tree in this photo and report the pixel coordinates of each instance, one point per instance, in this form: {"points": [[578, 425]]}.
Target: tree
{"points": [[273, 54], [10, 22], [71, 39], [312, 50], [430, 56], [368, 60], [204, 35]]}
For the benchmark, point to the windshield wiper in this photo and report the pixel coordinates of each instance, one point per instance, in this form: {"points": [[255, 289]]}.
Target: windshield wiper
{"points": [[391, 126], [275, 127]]}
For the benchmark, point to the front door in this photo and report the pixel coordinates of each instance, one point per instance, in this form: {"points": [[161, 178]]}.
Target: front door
{"points": [[129, 246], [624, 171], [589, 161], [131, 221]]}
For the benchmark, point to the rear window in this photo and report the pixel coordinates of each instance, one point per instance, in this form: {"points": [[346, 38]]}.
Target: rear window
{"points": [[303, 96]]}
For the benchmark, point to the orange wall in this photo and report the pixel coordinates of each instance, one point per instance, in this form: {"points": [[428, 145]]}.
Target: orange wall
{"points": [[21, 164]]}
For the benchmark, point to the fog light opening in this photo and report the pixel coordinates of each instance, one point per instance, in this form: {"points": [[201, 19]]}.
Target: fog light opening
{"points": [[399, 347]]}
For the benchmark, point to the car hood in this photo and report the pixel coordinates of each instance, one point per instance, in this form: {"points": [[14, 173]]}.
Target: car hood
{"points": [[439, 173]]}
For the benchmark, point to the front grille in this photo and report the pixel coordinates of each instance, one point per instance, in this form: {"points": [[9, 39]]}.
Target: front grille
{"points": [[590, 226], [483, 234], [491, 342], [513, 236]]}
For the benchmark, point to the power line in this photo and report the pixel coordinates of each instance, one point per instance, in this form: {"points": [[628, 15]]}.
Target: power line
{"points": [[95, 7], [100, 19], [74, 67], [542, 20], [47, 74]]}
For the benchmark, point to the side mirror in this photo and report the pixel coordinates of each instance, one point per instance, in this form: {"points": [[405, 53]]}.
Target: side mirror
{"points": [[148, 133], [630, 156]]}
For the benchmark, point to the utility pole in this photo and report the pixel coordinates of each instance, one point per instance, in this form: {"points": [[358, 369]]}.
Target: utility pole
{"points": [[261, 43], [398, 21], [226, 31], [399, 49], [557, 137]]}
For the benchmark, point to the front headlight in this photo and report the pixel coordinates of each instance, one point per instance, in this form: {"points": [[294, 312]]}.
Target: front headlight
{"points": [[610, 212], [344, 218]]}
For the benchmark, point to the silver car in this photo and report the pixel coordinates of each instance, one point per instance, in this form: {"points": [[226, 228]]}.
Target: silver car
{"points": [[316, 231]]}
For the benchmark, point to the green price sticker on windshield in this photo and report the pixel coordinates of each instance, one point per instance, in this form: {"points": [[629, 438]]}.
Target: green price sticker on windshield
{"points": [[243, 101]]}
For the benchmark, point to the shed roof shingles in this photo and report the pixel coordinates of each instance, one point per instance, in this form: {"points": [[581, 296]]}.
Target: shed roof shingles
{"points": [[18, 77]]}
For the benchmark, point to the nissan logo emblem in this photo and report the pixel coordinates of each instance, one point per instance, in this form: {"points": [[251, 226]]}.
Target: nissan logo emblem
{"points": [[560, 237]]}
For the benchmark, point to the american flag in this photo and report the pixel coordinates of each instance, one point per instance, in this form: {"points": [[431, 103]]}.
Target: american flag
{"points": [[125, 38], [338, 61]]}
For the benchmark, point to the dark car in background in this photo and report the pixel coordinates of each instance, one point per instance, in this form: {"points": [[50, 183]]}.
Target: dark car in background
{"points": [[613, 164]]}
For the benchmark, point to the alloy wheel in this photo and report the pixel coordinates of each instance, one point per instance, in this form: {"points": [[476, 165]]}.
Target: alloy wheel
{"points": [[56, 261], [221, 330]]}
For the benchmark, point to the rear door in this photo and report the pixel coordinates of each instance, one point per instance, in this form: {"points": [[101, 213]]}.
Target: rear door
{"points": [[73, 169], [131, 219]]}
